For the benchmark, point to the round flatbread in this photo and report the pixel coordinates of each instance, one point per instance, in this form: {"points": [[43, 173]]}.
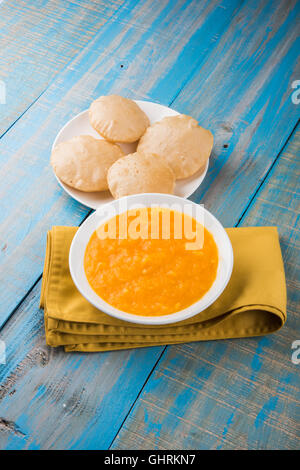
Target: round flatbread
{"points": [[183, 144], [138, 173], [83, 162], [118, 119]]}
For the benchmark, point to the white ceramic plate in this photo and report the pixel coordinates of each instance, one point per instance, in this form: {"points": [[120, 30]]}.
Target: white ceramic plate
{"points": [[79, 243], [80, 125]]}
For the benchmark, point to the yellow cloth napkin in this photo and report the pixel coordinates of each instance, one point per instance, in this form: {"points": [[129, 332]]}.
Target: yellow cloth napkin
{"points": [[253, 303]]}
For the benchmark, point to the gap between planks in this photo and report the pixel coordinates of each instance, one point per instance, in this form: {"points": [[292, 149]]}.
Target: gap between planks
{"points": [[293, 132], [67, 64], [236, 225], [254, 194]]}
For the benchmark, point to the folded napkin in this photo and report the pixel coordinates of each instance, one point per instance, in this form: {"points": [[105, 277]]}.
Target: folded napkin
{"points": [[253, 303]]}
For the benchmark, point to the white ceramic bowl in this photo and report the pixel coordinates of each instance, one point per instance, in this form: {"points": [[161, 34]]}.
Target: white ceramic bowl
{"points": [[107, 211]]}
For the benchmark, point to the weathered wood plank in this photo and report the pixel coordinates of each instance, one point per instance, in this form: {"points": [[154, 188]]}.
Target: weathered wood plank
{"points": [[37, 39], [97, 430], [250, 72], [29, 387], [247, 145], [147, 40], [238, 394], [36, 142], [78, 389]]}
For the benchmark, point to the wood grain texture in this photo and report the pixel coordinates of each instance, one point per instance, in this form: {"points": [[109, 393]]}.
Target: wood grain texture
{"points": [[147, 40], [171, 52], [250, 72], [233, 394], [38, 39], [28, 144], [61, 101], [53, 400]]}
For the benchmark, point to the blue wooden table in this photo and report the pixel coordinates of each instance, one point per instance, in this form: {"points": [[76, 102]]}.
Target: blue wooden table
{"points": [[234, 66]]}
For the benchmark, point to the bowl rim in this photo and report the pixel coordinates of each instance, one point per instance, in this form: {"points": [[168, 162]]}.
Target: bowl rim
{"points": [[175, 317]]}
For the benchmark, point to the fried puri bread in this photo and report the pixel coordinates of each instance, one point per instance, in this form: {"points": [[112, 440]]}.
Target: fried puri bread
{"points": [[118, 119], [183, 144], [83, 161], [140, 173]]}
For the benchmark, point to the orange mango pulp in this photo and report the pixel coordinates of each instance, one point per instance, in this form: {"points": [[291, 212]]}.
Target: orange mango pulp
{"points": [[146, 276]]}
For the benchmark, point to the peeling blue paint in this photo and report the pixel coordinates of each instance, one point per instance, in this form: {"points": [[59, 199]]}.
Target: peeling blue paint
{"points": [[265, 411]]}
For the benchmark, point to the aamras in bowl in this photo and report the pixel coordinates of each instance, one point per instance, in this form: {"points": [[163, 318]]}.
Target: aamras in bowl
{"points": [[144, 261], [151, 259]]}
